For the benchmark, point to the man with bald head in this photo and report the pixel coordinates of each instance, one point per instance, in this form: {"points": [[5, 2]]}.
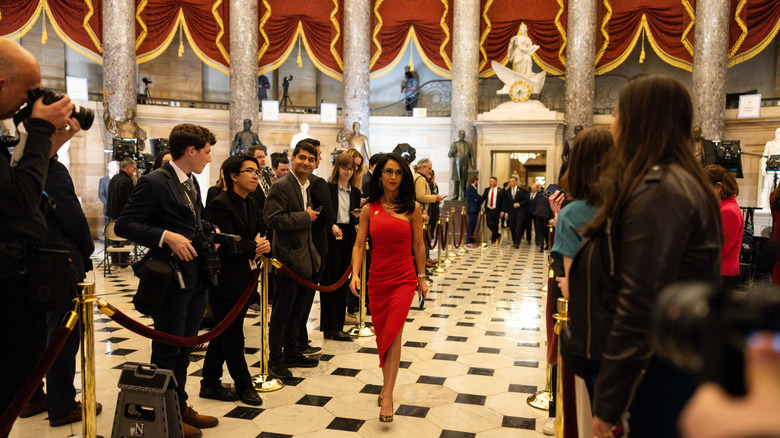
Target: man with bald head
{"points": [[22, 223]]}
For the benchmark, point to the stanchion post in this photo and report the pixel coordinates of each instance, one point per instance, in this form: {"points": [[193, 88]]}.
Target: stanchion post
{"points": [[263, 382], [561, 321], [463, 218], [483, 225], [541, 399], [85, 300], [447, 259], [439, 265], [361, 330]]}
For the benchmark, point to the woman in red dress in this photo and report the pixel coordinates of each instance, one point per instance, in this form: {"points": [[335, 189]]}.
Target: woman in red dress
{"points": [[394, 221]]}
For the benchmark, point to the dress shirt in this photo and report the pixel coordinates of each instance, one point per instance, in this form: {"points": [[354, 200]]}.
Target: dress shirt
{"points": [[342, 215], [304, 190]]}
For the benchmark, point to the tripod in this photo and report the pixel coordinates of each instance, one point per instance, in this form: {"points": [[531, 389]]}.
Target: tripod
{"points": [[286, 101]]}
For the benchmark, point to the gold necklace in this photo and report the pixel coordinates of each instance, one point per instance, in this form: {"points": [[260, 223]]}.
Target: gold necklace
{"points": [[386, 206]]}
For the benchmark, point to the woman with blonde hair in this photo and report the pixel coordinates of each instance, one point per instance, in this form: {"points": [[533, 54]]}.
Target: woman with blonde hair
{"points": [[359, 171]]}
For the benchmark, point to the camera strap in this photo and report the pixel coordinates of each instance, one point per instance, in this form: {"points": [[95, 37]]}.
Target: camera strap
{"points": [[193, 204]]}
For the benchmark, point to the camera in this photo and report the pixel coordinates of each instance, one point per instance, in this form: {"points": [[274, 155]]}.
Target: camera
{"points": [[773, 162], [206, 247], [84, 116], [146, 81], [129, 148], [702, 329]]}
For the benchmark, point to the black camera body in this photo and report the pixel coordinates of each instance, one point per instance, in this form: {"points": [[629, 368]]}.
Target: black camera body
{"points": [[84, 116], [705, 330], [206, 247]]}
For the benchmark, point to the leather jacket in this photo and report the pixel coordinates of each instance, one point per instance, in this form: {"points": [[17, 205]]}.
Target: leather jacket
{"points": [[666, 232]]}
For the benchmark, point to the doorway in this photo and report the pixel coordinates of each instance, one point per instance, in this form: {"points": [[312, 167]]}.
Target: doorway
{"points": [[528, 166]]}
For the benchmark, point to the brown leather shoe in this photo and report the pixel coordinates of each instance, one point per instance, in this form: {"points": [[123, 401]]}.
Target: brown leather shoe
{"points": [[189, 416], [73, 416], [191, 431], [33, 408]]}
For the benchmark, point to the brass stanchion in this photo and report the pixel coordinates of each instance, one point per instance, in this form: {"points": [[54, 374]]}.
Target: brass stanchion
{"points": [[561, 321], [541, 399], [360, 329], [483, 221], [85, 302], [463, 217], [263, 382], [447, 254], [439, 266]]}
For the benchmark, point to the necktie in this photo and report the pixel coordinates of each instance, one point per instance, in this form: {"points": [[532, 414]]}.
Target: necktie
{"points": [[491, 199], [533, 195], [263, 182], [191, 187]]}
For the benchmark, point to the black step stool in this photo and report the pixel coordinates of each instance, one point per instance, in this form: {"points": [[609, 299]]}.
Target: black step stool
{"points": [[147, 406]]}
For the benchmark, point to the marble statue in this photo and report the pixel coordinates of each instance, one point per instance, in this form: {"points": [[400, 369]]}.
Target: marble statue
{"points": [[521, 82], [244, 139], [302, 135], [126, 128], [463, 159], [354, 140], [520, 50], [767, 179]]}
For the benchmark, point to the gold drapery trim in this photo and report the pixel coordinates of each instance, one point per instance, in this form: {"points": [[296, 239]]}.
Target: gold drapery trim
{"points": [[88, 28], [684, 39], [742, 26], [411, 38], [263, 21], [65, 39], [206, 60], [626, 53], [320, 66], [144, 29], [333, 41], [221, 32], [374, 36], [28, 25], [276, 64], [604, 31], [488, 28], [146, 57], [446, 30], [744, 56], [562, 31]]}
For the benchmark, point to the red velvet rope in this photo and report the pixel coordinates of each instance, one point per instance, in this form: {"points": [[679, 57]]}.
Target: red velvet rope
{"points": [[155, 335], [462, 232], [479, 227], [436, 233], [446, 231], [31, 383], [309, 285]]}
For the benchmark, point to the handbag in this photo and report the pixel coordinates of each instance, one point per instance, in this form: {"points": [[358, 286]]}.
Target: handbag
{"points": [[53, 280], [154, 277]]}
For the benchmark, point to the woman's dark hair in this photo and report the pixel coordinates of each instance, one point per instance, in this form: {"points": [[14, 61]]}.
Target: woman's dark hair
{"points": [[158, 159], [718, 174], [233, 166], [185, 135], [654, 117], [587, 161], [405, 197]]}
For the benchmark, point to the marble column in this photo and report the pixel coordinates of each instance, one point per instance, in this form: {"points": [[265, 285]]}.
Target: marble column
{"points": [[580, 65], [244, 102], [710, 55], [465, 69], [357, 57], [119, 76]]}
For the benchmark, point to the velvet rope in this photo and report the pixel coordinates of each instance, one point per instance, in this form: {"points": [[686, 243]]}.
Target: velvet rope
{"points": [[478, 228], [155, 335], [33, 380], [436, 232], [462, 232], [309, 285]]}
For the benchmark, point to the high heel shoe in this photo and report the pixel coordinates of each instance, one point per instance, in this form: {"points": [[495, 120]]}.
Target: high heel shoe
{"points": [[379, 401], [384, 418]]}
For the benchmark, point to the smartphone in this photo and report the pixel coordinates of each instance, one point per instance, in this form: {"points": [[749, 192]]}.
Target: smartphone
{"points": [[421, 300], [551, 190], [318, 209], [357, 210]]}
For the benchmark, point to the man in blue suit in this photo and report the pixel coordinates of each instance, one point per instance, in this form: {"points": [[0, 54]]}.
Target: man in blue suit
{"points": [[473, 204], [515, 199], [164, 214]]}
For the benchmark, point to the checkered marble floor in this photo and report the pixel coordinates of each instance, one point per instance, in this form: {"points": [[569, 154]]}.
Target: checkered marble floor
{"points": [[469, 361]]}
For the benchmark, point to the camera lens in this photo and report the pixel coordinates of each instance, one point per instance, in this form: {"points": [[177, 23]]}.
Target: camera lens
{"points": [[84, 116]]}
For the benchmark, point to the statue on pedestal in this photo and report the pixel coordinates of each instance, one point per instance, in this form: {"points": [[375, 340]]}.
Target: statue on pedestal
{"points": [[521, 82], [244, 140], [354, 140], [303, 135], [462, 154], [123, 128]]}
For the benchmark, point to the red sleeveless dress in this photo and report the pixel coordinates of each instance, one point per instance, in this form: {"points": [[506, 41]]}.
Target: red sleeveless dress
{"points": [[392, 278]]}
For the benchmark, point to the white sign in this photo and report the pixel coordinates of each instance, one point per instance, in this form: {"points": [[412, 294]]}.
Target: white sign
{"points": [[270, 110], [420, 112], [329, 113], [76, 88], [749, 106]]}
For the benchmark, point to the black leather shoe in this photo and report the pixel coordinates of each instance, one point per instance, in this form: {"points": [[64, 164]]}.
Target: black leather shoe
{"points": [[250, 397], [218, 392], [300, 361], [338, 335], [309, 350], [278, 372]]}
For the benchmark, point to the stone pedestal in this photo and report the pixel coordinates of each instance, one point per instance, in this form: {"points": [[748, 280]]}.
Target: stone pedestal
{"points": [[119, 57], [710, 55], [357, 57], [580, 65], [244, 103], [465, 68]]}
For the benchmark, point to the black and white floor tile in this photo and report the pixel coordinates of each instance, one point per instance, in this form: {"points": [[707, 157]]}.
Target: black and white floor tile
{"points": [[470, 360]]}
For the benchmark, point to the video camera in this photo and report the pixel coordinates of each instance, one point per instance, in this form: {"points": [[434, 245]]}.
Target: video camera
{"points": [[705, 330], [206, 247], [724, 153], [773, 163], [129, 148]]}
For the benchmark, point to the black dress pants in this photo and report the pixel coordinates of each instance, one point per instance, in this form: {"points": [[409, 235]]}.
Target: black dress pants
{"points": [[542, 232], [515, 224], [527, 227], [228, 347], [333, 305], [287, 315], [491, 220]]}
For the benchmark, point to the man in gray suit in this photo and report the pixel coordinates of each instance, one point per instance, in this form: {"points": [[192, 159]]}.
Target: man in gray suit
{"points": [[288, 213]]}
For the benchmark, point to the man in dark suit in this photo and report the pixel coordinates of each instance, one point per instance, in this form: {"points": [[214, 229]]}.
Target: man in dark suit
{"points": [[473, 205], [289, 214], [528, 221], [515, 200], [120, 187], [234, 212], [264, 180], [542, 213], [493, 198], [163, 214], [367, 177]]}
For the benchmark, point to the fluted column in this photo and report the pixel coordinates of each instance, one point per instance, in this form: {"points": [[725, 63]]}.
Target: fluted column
{"points": [[710, 55], [119, 57], [580, 65], [243, 65], [357, 57], [465, 69]]}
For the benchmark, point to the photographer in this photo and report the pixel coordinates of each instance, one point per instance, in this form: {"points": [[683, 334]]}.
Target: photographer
{"points": [[234, 212], [163, 213], [21, 221]]}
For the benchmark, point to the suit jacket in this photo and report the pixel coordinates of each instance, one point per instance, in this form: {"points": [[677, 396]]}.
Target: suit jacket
{"points": [[354, 202], [320, 229], [67, 222], [366, 184], [499, 199], [285, 214], [259, 194], [212, 193], [540, 206], [157, 205], [520, 198], [226, 212], [119, 189], [103, 193], [473, 200]]}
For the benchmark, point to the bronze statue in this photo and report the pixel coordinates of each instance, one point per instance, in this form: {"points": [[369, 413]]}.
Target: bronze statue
{"points": [[463, 159], [123, 128], [354, 140], [244, 140]]}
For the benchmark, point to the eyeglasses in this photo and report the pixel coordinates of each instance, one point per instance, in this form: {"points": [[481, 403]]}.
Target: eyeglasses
{"points": [[348, 169], [391, 172], [250, 172]]}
